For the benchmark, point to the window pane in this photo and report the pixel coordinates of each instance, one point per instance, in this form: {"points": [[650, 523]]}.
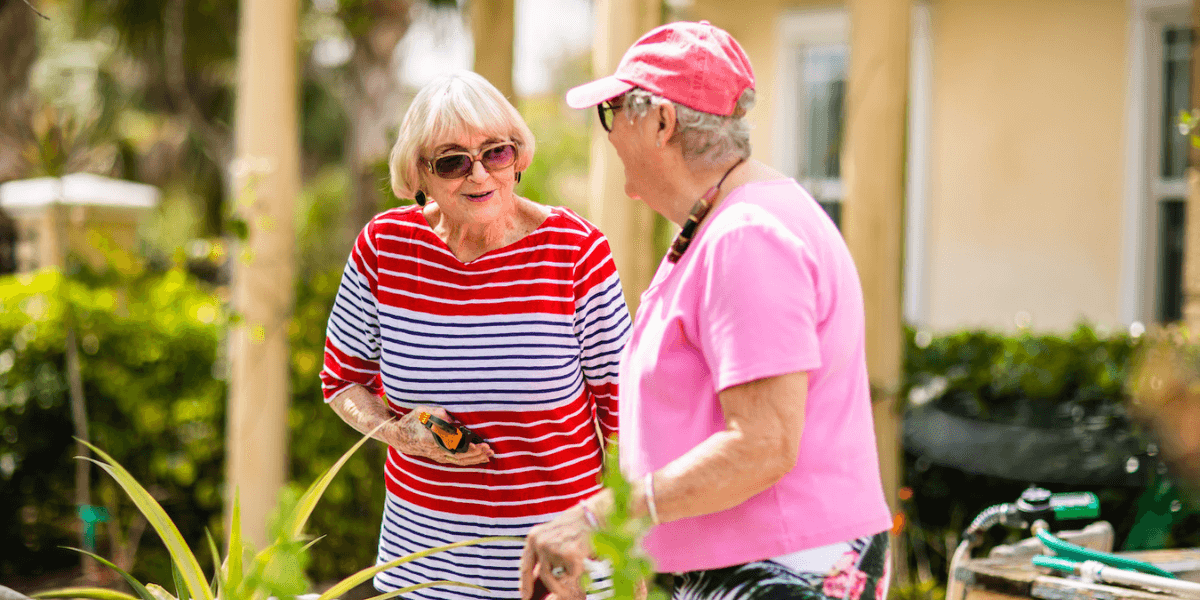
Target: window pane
{"points": [[823, 86], [1172, 215], [1177, 90]]}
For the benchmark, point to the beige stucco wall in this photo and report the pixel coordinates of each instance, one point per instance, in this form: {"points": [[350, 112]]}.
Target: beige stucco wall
{"points": [[1026, 162]]}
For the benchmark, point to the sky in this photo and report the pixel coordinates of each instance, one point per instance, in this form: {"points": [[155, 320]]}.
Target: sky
{"points": [[545, 31]]}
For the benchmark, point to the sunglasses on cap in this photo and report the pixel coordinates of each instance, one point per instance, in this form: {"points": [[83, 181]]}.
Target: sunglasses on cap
{"points": [[456, 164], [606, 110]]}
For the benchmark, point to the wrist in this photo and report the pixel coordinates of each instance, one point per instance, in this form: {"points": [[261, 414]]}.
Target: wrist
{"points": [[589, 516]]}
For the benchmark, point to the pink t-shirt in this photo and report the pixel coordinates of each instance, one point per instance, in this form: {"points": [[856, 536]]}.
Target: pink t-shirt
{"points": [[766, 288]]}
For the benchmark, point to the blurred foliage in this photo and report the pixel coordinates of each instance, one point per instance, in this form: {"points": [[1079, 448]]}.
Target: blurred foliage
{"points": [[149, 355], [1036, 381], [154, 380], [1025, 378], [617, 541], [1166, 392]]}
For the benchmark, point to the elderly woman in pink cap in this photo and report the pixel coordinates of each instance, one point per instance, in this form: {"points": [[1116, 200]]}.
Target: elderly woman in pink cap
{"points": [[745, 415]]}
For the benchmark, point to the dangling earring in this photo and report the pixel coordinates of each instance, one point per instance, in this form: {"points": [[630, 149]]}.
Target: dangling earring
{"points": [[420, 198], [518, 177]]}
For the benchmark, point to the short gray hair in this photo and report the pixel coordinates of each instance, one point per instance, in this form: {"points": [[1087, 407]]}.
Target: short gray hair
{"points": [[452, 105], [702, 136]]}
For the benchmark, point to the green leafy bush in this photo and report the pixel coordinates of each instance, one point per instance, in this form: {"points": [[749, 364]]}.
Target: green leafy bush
{"points": [[155, 398], [153, 373]]}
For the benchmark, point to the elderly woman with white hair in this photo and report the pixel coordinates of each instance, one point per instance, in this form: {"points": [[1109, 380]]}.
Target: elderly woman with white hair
{"points": [[746, 422], [482, 330]]}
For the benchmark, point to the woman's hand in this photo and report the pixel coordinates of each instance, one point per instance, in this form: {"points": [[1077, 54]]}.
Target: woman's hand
{"points": [[555, 552], [409, 436], [365, 411]]}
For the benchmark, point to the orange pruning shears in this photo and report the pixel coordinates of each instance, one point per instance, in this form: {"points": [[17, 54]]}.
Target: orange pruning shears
{"points": [[452, 438]]}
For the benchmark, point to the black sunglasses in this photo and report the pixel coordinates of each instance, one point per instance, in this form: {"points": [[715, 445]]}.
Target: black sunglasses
{"points": [[606, 110], [453, 165]]}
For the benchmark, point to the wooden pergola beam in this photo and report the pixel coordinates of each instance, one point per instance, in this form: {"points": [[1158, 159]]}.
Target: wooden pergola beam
{"points": [[266, 177], [873, 172], [628, 223]]}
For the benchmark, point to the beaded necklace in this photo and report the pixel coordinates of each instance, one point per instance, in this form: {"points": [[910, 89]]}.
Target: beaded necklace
{"points": [[699, 211]]}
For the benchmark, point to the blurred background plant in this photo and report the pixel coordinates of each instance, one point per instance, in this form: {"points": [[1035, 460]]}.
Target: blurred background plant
{"points": [[987, 414]]}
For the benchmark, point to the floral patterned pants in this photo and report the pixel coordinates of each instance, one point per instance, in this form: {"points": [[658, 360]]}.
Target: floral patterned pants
{"points": [[854, 570]]}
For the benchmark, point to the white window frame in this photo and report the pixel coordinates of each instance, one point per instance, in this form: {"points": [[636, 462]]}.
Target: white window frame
{"points": [[799, 28], [1143, 190]]}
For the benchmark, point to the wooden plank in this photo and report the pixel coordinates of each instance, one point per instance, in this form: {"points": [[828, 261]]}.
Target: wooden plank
{"points": [[1008, 578]]}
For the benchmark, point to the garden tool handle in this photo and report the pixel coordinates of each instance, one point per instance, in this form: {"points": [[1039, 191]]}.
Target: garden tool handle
{"points": [[452, 438]]}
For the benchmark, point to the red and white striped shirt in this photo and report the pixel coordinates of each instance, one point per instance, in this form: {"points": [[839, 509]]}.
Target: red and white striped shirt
{"points": [[520, 345]]}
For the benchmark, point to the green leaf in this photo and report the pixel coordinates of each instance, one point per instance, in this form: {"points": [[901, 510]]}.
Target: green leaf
{"points": [[340, 588], [309, 500], [133, 583], [181, 555], [310, 544], [215, 584], [85, 592], [180, 589], [233, 554]]}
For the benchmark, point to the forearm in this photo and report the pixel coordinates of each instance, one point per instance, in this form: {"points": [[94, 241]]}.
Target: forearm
{"points": [[722, 472], [759, 445], [365, 412]]}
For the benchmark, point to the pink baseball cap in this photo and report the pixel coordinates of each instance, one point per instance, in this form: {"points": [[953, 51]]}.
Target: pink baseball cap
{"points": [[695, 64]]}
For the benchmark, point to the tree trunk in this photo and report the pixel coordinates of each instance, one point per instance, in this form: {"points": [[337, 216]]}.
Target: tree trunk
{"points": [[267, 179], [18, 46], [373, 98], [493, 24]]}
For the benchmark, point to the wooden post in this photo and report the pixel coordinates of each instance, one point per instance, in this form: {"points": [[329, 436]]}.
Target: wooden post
{"points": [[628, 223], [492, 27], [873, 172], [1191, 243], [266, 178]]}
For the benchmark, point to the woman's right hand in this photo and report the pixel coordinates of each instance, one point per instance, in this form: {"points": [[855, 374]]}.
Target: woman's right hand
{"points": [[409, 436]]}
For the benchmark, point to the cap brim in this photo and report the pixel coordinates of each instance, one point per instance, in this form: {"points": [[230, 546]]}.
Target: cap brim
{"points": [[591, 94]]}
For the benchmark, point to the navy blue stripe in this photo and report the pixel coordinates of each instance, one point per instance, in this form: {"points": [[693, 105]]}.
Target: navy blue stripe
{"points": [[613, 288], [442, 381], [513, 391], [623, 324]]}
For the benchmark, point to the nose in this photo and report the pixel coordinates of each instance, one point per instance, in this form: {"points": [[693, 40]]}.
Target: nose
{"points": [[478, 173]]}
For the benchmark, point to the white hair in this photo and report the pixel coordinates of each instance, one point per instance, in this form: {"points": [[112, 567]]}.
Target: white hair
{"points": [[702, 136], [458, 104]]}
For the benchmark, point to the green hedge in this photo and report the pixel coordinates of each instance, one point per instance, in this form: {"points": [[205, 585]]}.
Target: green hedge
{"points": [[153, 371]]}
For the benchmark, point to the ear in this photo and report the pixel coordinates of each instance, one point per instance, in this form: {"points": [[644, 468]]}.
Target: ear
{"points": [[666, 122]]}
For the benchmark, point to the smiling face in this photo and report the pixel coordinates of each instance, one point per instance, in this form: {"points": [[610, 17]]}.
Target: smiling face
{"points": [[479, 197]]}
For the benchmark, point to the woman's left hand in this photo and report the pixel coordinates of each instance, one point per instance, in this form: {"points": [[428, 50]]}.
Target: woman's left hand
{"points": [[555, 552]]}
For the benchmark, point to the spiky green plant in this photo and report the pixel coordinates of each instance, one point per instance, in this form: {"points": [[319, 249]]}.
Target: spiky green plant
{"points": [[276, 571]]}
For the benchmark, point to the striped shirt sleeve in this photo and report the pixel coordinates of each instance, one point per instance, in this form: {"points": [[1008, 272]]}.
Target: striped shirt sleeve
{"points": [[352, 335], [602, 325]]}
